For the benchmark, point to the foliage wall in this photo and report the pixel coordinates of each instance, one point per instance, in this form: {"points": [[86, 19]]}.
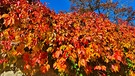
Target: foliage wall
{"points": [[86, 44]]}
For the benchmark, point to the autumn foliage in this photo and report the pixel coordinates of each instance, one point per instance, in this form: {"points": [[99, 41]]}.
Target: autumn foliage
{"points": [[88, 44]]}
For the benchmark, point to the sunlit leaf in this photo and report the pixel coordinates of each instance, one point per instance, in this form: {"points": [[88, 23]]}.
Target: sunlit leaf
{"points": [[115, 68]]}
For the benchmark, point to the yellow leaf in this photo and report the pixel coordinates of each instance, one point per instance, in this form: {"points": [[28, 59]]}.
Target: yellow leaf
{"points": [[35, 48], [49, 49], [115, 68], [132, 73], [62, 47], [127, 45], [73, 57], [5, 16], [82, 62]]}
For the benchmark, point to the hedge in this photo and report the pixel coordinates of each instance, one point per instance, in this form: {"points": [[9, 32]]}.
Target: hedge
{"points": [[69, 43]]}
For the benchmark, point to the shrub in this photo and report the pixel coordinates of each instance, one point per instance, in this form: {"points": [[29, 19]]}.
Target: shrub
{"points": [[39, 39]]}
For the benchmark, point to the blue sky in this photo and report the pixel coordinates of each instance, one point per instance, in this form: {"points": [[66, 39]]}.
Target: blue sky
{"points": [[57, 5], [61, 5]]}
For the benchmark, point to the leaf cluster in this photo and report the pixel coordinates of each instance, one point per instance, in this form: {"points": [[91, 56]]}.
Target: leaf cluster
{"points": [[88, 44]]}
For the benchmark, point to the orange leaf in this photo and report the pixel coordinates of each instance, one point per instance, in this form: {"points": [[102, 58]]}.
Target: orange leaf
{"points": [[97, 68], [5, 16], [115, 68], [103, 68], [132, 73], [44, 68], [20, 49], [82, 62], [57, 54], [27, 67], [60, 65]]}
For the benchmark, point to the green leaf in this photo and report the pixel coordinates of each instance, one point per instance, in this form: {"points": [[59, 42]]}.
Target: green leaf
{"points": [[5, 65], [62, 47], [75, 66], [78, 69], [81, 74]]}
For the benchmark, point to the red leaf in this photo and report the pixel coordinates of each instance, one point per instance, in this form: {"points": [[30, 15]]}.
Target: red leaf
{"points": [[43, 55], [117, 56], [26, 58], [88, 69], [44, 68], [6, 44], [39, 58], [65, 55], [3, 60]]}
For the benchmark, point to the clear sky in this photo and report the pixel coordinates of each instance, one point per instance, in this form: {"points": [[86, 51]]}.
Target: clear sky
{"points": [[61, 5], [57, 5]]}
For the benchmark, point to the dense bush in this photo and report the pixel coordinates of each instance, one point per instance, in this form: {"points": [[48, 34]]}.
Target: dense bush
{"points": [[84, 44]]}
